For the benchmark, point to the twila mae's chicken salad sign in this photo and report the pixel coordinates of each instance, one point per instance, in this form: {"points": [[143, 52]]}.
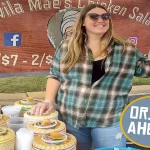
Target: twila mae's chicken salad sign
{"points": [[31, 30]]}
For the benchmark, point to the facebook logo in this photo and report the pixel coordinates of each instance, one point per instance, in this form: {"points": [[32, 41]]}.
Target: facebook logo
{"points": [[12, 39]]}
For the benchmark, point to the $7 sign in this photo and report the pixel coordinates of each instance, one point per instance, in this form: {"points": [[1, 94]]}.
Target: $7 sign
{"points": [[5, 59]]}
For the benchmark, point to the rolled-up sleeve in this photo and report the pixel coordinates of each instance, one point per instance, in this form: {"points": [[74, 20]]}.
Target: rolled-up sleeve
{"points": [[142, 65], [55, 66]]}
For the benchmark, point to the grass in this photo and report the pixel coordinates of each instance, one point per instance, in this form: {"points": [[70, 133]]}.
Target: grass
{"points": [[141, 81], [38, 83], [22, 84]]}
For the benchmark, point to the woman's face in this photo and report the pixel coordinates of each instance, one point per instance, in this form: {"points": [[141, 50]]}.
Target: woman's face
{"points": [[94, 24]]}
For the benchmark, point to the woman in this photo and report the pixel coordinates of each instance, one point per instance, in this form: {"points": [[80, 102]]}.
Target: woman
{"points": [[90, 79]]}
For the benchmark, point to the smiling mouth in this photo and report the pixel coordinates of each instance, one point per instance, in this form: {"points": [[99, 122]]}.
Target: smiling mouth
{"points": [[99, 26]]}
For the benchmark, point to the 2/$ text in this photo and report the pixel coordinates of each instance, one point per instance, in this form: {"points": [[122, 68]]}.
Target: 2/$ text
{"points": [[140, 121]]}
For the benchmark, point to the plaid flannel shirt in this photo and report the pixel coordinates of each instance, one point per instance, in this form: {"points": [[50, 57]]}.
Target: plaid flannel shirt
{"points": [[99, 105]]}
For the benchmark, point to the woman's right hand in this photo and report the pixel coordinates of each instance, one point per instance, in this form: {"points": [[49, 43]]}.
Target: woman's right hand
{"points": [[42, 107]]}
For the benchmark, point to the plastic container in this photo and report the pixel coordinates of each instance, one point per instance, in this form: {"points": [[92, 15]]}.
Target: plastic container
{"points": [[41, 130], [34, 118], [69, 144], [15, 123], [7, 139], [22, 144], [11, 111]]}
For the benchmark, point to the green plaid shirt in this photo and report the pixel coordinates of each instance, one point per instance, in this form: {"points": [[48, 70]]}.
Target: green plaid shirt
{"points": [[99, 105]]}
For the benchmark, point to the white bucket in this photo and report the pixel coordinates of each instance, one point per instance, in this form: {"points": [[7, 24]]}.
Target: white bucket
{"points": [[11, 111]]}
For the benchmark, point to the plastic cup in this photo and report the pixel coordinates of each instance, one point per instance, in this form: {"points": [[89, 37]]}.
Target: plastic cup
{"points": [[15, 123], [11, 111]]}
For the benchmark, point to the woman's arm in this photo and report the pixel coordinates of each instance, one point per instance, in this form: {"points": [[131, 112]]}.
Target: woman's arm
{"points": [[51, 90], [53, 84], [142, 65], [49, 103]]}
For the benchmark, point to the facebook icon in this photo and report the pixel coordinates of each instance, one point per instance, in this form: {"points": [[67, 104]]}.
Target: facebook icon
{"points": [[12, 39]]}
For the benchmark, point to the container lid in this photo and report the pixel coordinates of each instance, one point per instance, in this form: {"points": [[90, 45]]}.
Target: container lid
{"points": [[3, 119], [6, 134], [23, 106], [10, 108], [53, 114], [27, 103], [36, 128], [69, 143]]}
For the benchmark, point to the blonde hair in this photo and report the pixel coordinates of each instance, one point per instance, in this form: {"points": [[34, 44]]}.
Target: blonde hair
{"points": [[77, 40]]}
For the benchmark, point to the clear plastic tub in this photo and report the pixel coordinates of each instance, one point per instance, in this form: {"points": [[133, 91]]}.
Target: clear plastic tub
{"points": [[15, 123], [11, 111]]}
